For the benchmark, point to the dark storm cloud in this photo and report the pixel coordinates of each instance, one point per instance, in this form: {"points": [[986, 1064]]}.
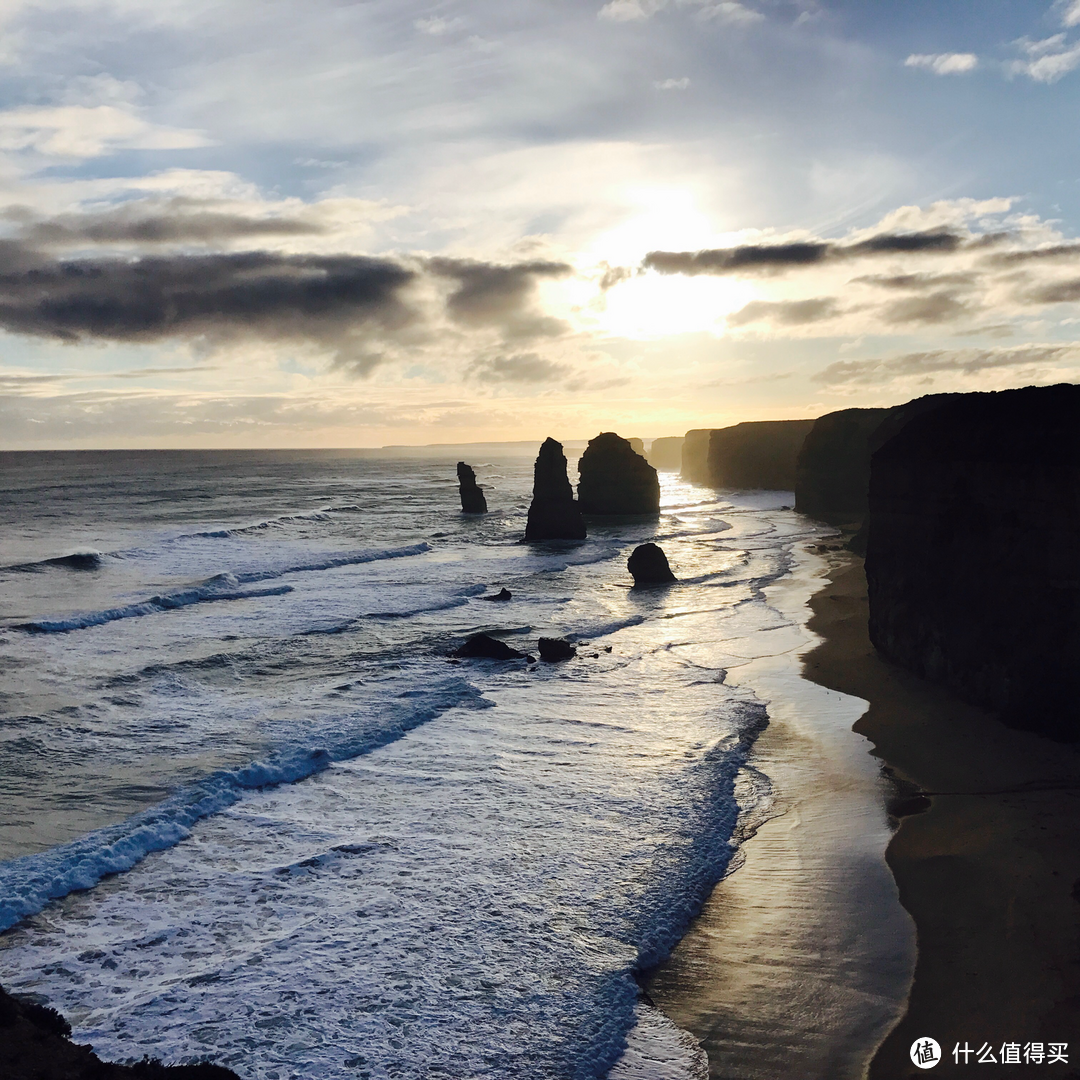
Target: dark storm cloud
{"points": [[501, 296], [965, 361], [777, 258], [521, 367], [786, 312]]}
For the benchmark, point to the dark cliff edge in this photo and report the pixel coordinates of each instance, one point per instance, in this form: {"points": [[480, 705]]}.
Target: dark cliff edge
{"points": [[973, 552], [35, 1045], [756, 454], [615, 479]]}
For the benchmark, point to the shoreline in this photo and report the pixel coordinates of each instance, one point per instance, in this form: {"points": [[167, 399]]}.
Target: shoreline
{"points": [[800, 961], [990, 871]]}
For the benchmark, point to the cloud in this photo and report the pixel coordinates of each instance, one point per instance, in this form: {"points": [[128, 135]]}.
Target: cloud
{"points": [[1071, 15], [672, 84], [1047, 60], [938, 307], [728, 12], [964, 361], [89, 131], [436, 25], [943, 63], [777, 258], [786, 312], [918, 282], [521, 368]]}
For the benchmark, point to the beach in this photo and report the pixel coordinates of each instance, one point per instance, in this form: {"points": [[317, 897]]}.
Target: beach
{"points": [[985, 864]]}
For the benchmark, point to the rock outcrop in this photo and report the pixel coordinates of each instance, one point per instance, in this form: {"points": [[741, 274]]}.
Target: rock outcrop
{"points": [[637, 446], [973, 552], [695, 456], [502, 594], [648, 565], [552, 650], [553, 513], [35, 1045], [665, 454], [832, 470], [486, 647], [757, 454], [616, 480], [472, 498]]}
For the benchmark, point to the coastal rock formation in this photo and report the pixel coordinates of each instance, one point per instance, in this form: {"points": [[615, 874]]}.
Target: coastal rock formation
{"points": [[472, 498], [695, 456], [486, 647], [502, 594], [552, 650], [756, 454], [666, 454], [972, 552], [553, 513], [615, 479], [637, 446], [35, 1045], [648, 565], [832, 470]]}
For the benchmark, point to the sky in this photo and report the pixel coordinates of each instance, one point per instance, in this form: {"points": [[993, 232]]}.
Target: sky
{"points": [[330, 223]]}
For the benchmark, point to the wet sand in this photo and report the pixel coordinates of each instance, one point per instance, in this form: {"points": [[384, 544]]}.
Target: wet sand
{"points": [[801, 960]]}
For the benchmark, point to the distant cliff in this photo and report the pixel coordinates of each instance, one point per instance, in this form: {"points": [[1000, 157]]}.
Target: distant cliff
{"points": [[832, 470], [757, 454], [973, 556], [666, 454], [695, 456]]}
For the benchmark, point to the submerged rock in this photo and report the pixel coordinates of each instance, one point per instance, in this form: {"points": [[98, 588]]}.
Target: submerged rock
{"points": [[502, 594], [553, 513], [615, 479], [972, 552], [472, 498], [486, 647], [555, 649], [649, 566]]}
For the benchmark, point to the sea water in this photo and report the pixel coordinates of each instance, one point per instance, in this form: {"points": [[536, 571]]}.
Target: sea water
{"points": [[252, 812]]}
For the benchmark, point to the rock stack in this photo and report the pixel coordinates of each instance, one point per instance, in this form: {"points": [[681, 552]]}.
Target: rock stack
{"points": [[553, 513], [615, 479], [648, 565], [472, 498]]}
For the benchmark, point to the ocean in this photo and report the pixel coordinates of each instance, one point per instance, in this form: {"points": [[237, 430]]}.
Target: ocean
{"points": [[252, 812]]}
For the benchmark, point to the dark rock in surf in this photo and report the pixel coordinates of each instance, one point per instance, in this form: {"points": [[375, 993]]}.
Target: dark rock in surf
{"points": [[971, 558], [35, 1044], [555, 649], [472, 498], [502, 594], [553, 513], [486, 647], [615, 479], [648, 565]]}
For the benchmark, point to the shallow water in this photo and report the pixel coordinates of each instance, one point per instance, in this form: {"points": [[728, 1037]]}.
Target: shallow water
{"points": [[329, 851]]}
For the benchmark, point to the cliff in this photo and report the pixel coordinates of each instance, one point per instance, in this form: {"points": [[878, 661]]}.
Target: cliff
{"points": [[972, 552], [757, 454], [614, 479], [832, 470], [695, 456], [666, 454]]}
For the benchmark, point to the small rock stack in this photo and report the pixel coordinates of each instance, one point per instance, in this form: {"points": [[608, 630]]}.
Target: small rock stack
{"points": [[472, 498]]}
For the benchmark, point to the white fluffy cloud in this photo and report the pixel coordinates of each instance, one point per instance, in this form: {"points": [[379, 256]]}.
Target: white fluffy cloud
{"points": [[944, 63]]}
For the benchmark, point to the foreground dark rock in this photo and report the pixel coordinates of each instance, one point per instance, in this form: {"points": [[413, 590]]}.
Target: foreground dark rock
{"points": [[472, 498], [553, 650], [553, 513], [615, 479], [973, 552], [832, 470], [502, 594], [666, 453], [757, 454], [648, 565], [486, 647], [35, 1045]]}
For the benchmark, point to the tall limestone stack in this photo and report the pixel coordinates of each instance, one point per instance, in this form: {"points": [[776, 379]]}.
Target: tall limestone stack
{"points": [[973, 557], [553, 513], [614, 479], [472, 498], [756, 454], [832, 470]]}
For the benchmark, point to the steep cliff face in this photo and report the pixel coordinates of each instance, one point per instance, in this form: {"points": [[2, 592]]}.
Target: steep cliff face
{"points": [[553, 512], [832, 470], [695, 456], [614, 479], [973, 556], [757, 454], [666, 454]]}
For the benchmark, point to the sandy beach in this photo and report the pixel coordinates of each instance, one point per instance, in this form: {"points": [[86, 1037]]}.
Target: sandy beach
{"points": [[799, 964]]}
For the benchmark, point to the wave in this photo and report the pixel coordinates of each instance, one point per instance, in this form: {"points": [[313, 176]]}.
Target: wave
{"points": [[219, 587], [28, 883], [78, 560]]}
